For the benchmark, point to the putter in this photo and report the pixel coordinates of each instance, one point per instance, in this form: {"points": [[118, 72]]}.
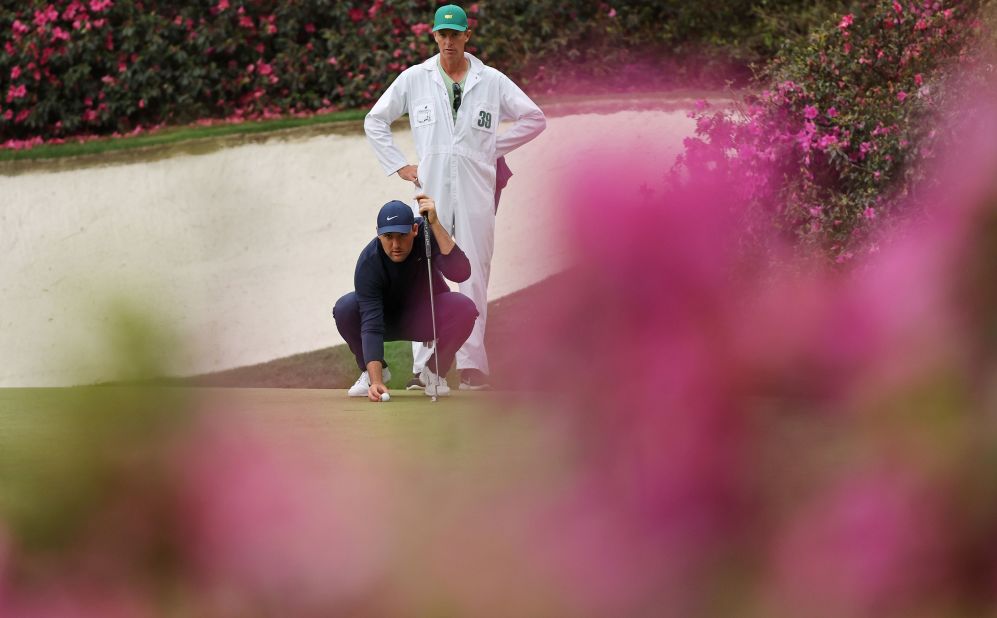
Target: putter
{"points": [[432, 304]]}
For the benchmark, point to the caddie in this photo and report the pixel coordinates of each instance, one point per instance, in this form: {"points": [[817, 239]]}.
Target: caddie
{"points": [[455, 104]]}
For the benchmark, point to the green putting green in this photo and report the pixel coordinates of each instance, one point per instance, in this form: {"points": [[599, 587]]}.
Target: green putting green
{"points": [[39, 422]]}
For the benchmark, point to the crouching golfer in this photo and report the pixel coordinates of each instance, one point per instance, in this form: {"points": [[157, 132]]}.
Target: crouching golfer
{"points": [[392, 303]]}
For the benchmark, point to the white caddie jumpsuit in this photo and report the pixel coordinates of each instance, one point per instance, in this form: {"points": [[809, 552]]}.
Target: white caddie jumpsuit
{"points": [[457, 162]]}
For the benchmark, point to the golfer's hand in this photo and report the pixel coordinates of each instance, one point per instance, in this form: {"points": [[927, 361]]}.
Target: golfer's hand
{"points": [[427, 208], [410, 173], [375, 391]]}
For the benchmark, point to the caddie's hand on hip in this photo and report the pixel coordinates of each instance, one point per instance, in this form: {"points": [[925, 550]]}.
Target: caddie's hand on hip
{"points": [[427, 208], [410, 173]]}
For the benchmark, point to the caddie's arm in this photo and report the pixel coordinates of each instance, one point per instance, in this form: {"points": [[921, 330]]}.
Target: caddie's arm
{"points": [[377, 126], [452, 261], [529, 119]]}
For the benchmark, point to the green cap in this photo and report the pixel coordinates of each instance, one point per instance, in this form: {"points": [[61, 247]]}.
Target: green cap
{"points": [[450, 17]]}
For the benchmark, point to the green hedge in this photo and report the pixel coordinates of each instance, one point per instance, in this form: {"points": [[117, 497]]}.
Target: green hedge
{"points": [[72, 68]]}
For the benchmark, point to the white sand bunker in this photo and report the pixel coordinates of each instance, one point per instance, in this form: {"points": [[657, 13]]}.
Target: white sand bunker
{"points": [[241, 253]]}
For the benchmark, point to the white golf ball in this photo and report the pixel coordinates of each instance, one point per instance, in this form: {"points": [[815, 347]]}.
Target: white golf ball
{"points": [[385, 397]]}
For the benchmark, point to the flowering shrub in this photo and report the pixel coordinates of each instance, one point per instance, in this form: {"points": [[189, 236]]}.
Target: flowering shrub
{"points": [[847, 125], [99, 67]]}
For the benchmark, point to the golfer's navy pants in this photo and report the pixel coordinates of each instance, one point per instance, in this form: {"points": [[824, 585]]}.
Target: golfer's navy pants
{"points": [[455, 314]]}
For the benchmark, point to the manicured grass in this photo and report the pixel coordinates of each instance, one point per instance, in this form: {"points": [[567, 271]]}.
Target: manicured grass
{"points": [[176, 135], [55, 442]]}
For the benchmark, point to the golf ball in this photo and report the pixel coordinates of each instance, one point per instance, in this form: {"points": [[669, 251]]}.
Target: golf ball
{"points": [[385, 397]]}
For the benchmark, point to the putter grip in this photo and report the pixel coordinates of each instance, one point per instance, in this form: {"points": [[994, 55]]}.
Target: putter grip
{"points": [[425, 227]]}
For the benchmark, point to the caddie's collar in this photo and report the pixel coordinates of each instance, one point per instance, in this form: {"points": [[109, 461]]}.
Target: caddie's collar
{"points": [[476, 65]]}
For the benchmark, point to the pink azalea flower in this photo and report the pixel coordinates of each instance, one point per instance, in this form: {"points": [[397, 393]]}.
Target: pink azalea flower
{"points": [[15, 73], [901, 96], [45, 15], [418, 29], [826, 142], [832, 112], [16, 92], [846, 21], [810, 112]]}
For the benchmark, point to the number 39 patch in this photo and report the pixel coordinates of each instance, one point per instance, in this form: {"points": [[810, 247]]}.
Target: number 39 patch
{"points": [[485, 119]]}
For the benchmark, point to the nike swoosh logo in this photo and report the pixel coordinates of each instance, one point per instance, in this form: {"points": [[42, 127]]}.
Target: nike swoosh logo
{"points": [[390, 218]]}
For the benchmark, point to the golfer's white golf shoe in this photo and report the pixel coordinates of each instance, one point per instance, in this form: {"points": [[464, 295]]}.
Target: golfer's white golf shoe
{"points": [[435, 385], [362, 385]]}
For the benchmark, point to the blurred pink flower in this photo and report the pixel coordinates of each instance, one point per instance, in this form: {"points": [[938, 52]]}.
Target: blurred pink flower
{"points": [[810, 112], [846, 21], [297, 528], [868, 545]]}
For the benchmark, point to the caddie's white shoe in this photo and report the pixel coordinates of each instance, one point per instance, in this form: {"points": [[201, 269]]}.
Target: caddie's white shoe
{"points": [[435, 385], [362, 385]]}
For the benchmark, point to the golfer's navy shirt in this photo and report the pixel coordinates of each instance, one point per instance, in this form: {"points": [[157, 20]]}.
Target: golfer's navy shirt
{"points": [[386, 290]]}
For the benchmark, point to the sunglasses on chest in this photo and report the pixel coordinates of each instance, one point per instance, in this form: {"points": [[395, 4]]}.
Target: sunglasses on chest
{"points": [[456, 97]]}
